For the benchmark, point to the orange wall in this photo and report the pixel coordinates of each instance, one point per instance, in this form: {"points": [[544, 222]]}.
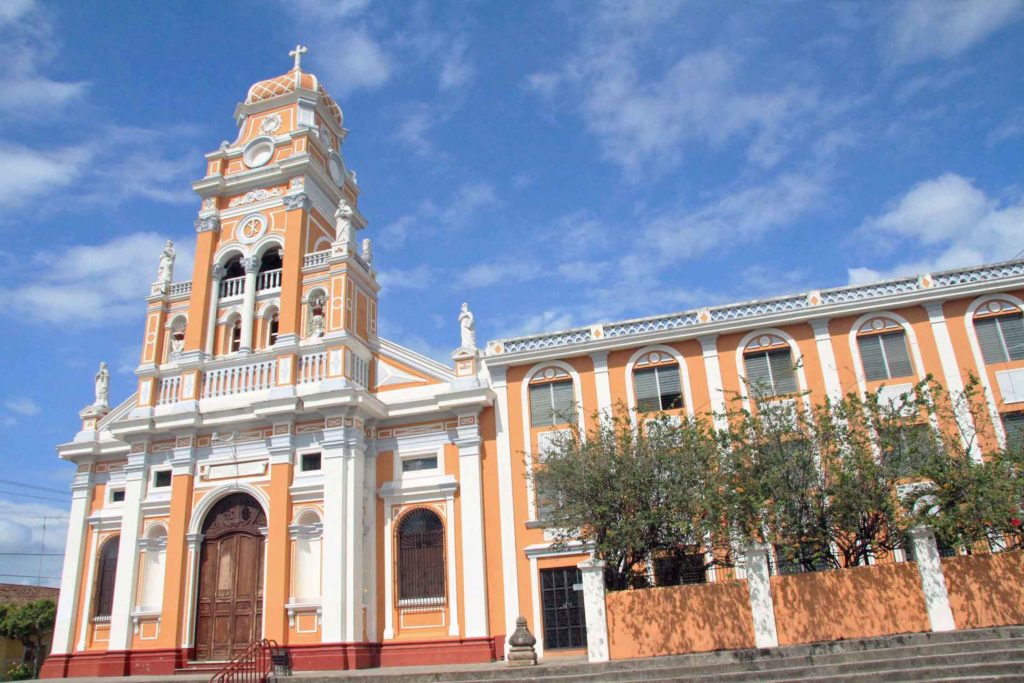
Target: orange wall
{"points": [[862, 602], [985, 590], [679, 619]]}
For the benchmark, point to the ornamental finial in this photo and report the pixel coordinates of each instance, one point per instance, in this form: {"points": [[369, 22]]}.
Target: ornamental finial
{"points": [[297, 54]]}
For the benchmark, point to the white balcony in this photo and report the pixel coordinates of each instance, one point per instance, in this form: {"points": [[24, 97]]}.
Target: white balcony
{"points": [[312, 367], [230, 287], [239, 379], [268, 279]]}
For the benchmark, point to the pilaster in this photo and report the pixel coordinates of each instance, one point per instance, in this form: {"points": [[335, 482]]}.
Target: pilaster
{"points": [[126, 579], [197, 335], [278, 541], [509, 571], [217, 274], [604, 389], [951, 375], [296, 219], [181, 562], [709, 348], [74, 561], [474, 570]]}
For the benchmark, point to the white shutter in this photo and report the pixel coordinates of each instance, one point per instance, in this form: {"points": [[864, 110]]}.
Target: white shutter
{"points": [[646, 383], [896, 355], [562, 401], [871, 357], [1011, 385], [990, 340], [540, 405], [784, 377], [546, 441], [1012, 327], [759, 379]]}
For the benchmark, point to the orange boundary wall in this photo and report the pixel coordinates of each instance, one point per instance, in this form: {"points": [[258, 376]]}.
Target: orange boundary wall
{"points": [[985, 590], [861, 602], [679, 619]]}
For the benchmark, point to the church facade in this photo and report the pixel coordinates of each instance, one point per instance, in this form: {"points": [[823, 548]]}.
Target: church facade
{"points": [[283, 472]]}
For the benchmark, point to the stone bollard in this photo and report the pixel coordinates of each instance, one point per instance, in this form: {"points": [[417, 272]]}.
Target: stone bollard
{"points": [[521, 652]]}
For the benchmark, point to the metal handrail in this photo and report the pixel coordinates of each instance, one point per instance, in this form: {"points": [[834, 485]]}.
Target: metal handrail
{"points": [[254, 665]]}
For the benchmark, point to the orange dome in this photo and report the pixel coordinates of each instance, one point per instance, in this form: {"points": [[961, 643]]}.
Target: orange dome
{"points": [[289, 82]]}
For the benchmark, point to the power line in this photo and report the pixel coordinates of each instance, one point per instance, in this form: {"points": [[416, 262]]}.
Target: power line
{"points": [[27, 495], [31, 554], [32, 486], [32, 576]]}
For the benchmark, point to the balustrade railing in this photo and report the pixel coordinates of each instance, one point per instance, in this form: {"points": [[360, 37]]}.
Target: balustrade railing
{"points": [[238, 380], [317, 258], [312, 367], [269, 279], [234, 286], [167, 390], [181, 288]]}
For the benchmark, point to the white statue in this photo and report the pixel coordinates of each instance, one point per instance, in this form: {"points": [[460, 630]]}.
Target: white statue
{"points": [[367, 251], [468, 324], [102, 387], [317, 324], [165, 272], [177, 339], [343, 222]]}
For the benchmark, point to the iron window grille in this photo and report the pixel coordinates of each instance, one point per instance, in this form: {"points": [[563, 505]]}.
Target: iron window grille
{"points": [[421, 574]]}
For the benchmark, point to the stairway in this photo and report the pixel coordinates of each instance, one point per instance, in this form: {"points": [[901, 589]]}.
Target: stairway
{"points": [[977, 655]]}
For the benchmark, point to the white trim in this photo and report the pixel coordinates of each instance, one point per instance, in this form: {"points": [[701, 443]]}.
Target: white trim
{"points": [[827, 358], [509, 569], [577, 391], [979, 359], [538, 623], [206, 503], [797, 358], [683, 371], [713, 373], [603, 386], [951, 373], [70, 585]]}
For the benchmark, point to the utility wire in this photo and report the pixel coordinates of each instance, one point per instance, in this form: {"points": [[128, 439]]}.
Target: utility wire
{"points": [[31, 554], [27, 495], [32, 576], [32, 486]]}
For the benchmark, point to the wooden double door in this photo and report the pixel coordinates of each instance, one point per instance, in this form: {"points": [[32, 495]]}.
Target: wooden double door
{"points": [[229, 606]]}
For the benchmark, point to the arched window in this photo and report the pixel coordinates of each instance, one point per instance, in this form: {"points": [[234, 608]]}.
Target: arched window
{"points": [[235, 341], [769, 366], [106, 572], [270, 270], [234, 268], [656, 381], [272, 326], [883, 350], [421, 559], [551, 398], [999, 326]]}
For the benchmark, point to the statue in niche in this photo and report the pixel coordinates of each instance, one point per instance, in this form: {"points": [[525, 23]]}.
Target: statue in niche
{"points": [[177, 339], [343, 222], [102, 387], [166, 270], [468, 327], [317, 323]]}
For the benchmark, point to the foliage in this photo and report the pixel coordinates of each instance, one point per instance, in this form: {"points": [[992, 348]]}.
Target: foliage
{"points": [[29, 623], [20, 672]]}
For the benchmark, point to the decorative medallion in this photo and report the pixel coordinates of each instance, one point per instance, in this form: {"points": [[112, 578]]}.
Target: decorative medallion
{"points": [[258, 152], [336, 167], [251, 228], [270, 123], [255, 196]]}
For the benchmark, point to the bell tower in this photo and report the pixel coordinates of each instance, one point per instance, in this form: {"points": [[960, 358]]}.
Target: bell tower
{"points": [[281, 278]]}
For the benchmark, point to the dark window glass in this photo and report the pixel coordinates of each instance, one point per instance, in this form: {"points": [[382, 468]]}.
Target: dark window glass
{"points": [[421, 558], [1013, 425], [273, 330], [162, 479], [565, 625], [117, 496], [106, 572], [419, 464], [679, 568], [310, 462], [658, 388], [885, 355]]}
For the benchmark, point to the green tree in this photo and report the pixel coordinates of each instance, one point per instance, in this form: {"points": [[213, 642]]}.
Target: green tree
{"points": [[30, 623]]}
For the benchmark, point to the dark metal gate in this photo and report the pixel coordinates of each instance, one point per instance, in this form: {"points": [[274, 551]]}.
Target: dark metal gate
{"points": [[565, 625]]}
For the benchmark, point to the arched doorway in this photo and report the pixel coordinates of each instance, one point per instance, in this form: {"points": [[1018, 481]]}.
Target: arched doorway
{"points": [[229, 604]]}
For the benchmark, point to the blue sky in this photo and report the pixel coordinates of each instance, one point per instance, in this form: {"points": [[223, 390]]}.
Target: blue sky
{"points": [[553, 164]]}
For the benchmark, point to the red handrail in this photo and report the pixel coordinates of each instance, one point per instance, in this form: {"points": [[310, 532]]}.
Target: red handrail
{"points": [[254, 665]]}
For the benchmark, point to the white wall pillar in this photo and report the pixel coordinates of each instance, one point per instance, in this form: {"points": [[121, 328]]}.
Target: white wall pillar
{"points": [[761, 604], [216, 275], [370, 542], [951, 375], [594, 608], [829, 370], [252, 266], [933, 583], [509, 573], [474, 568], [389, 571], [71, 575], [126, 578], [353, 543], [333, 460], [601, 382], [709, 347]]}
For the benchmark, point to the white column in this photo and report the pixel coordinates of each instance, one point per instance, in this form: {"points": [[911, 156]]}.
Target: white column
{"points": [[604, 387], [951, 375], [389, 570], [71, 575], [333, 454], [252, 266], [823, 339], [126, 578], [709, 346], [594, 608], [353, 543], [453, 595], [509, 574], [370, 542], [761, 604], [474, 568], [216, 275], [933, 583]]}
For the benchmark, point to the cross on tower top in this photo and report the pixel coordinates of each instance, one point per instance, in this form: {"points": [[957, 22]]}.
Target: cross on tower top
{"points": [[297, 53]]}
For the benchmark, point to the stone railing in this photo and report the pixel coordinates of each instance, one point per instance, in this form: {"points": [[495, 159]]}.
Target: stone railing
{"points": [[180, 288], [312, 367], [762, 307], [234, 286], [167, 390], [239, 379], [268, 279], [317, 258]]}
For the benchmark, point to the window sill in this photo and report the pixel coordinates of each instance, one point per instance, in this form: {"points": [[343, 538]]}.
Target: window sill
{"points": [[410, 604]]}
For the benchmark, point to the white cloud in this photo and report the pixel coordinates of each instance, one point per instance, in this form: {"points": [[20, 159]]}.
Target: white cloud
{"points": [[463, 209], [949, 221], [923, 29], [494, 273], [23, 406], [1012, 127], [26, 173], [420, 277], [456, 70], [90, 285]]}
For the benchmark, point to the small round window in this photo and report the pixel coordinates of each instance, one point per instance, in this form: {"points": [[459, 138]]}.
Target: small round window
{"points": [[258, 152]]}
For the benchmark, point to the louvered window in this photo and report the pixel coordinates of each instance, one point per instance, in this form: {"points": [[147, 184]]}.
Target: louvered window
{"points": [[885, 355], [658, 388], [106, 573], [1001, 338], [770, 373], [551, 403], [1013, 425]]}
